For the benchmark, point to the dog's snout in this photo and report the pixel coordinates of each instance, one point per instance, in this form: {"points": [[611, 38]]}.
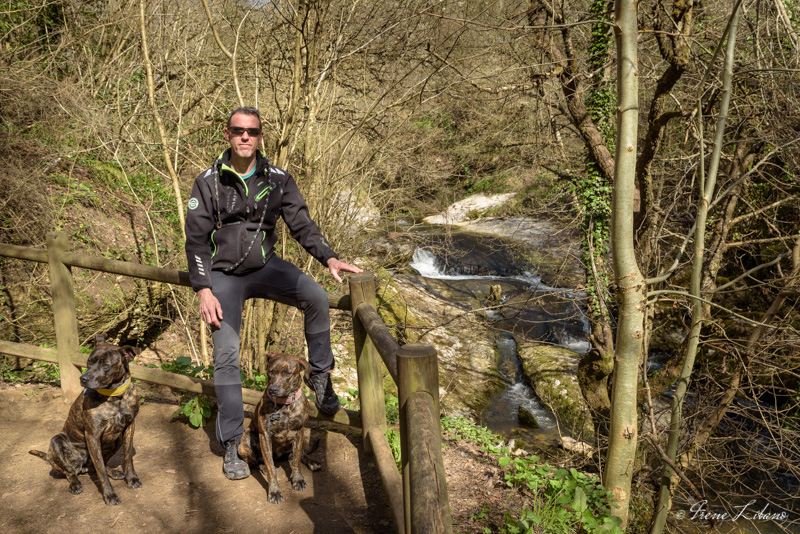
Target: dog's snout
{"points": [[90, 379]]}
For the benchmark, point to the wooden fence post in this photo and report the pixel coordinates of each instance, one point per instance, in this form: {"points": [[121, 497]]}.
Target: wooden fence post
{"points": [[368, 361], [63, 314], [427, 508]]}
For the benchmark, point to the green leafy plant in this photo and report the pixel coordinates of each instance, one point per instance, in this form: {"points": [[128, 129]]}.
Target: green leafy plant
{"points": [[393, 434], [197, 410], [583, 494], [183, 365], [564, 500], [393, 437], [38, 372], [542, 517], [463, 428], [194, 406], [258, 382], [350, 399], [392, 409], [483, 515]]}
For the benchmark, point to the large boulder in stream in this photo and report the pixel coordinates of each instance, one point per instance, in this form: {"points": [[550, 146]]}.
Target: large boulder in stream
{"points": [[552, 373], [468, 375]]}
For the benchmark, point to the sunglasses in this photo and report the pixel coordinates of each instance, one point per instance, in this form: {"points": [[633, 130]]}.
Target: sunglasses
{"points": [[238, 131]]}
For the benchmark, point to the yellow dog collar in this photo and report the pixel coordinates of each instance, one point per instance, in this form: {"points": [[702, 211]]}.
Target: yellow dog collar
{"points": [[115, 392]]}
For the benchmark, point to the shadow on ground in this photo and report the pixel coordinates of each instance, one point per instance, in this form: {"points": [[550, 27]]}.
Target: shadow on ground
{"points": [[183, 489]]}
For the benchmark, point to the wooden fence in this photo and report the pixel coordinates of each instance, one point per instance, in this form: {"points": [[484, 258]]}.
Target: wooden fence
{"points": [[419, 502]]}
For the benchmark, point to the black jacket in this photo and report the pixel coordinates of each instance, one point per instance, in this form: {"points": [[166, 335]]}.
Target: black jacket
{"points": [[230, 223]]}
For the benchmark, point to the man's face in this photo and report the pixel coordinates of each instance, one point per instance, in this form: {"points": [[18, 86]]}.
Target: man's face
{"points": [[243, 144]]}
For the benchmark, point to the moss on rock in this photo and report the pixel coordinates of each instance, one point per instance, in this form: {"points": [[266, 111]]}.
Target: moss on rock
{"points": [[552, 372], [468, 376]]}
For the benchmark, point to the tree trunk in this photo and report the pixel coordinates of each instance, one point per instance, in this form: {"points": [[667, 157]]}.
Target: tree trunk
{"points": [[619, 469], [161, 131], [673, 40], [704, 200]]}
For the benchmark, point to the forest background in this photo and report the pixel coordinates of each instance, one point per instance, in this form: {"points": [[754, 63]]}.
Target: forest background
{"points": [[115, 107]]}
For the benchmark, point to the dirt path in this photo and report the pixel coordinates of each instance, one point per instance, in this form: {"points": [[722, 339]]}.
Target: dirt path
{"points": [[183, 489]]}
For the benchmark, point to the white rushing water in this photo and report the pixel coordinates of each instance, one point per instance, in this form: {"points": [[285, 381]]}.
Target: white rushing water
{"points": [[427, 265], [581, 345]]}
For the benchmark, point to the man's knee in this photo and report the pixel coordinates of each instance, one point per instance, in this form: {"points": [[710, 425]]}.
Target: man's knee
{"points": [[313, 295], [226, 364], [226, 346]]}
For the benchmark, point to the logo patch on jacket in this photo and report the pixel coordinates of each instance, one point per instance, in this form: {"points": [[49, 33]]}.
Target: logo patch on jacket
{"points": [[193, 203]]}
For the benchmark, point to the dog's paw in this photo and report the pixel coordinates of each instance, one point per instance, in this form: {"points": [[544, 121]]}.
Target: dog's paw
{"points": [[116, 473], [299, 484], [75, 488], [111, 499], [312, 464], [274, 496], [134, 482]]}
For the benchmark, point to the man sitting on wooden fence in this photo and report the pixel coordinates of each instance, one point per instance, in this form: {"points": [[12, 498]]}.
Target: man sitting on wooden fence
{"points": [[230, 238]]}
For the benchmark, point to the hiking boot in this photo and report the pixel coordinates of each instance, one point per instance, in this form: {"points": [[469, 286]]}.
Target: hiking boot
{"points": [[326, 402], [234, 467]]}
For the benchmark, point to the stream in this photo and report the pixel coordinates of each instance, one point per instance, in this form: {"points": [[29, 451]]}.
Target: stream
{"points": [[463, 268]]}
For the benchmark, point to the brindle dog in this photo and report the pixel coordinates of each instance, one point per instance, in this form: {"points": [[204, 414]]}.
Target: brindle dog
{"points": [[100, 421], [278, 425]]}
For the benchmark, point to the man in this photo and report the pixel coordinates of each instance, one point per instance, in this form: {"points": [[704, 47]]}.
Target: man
{"points": [[230, 235]]}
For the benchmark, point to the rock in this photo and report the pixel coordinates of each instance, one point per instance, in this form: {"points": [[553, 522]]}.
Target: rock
{"points": [[391, 251], [526, 417], [508, 369], [495, 295], [552, 372], [468, 375], [354, 210], [573, 445], [552, 250], [459, 213], [394, 308]]}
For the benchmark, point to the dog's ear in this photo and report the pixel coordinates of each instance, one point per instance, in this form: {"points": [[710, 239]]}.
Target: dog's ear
{"points": [[307, 367], [130, 352], [99, 338]]}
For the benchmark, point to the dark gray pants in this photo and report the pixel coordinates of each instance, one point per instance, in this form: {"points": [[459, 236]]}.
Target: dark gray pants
{"points": [[278, 280]]}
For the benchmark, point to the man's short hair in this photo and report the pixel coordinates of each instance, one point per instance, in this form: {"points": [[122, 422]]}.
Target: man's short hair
{"points": [[246, 110]]}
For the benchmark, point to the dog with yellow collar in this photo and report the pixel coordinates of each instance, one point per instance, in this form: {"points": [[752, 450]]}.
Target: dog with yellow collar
{"points": [[100, 421]]}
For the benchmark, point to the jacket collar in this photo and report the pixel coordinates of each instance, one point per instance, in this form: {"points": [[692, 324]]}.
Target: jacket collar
{"points": [[223, 162]]}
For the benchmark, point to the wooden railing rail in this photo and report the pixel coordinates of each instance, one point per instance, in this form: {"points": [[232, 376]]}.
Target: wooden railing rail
{"points": [[415, 370], [426, 502], [419, 502], [135, 270], [384, 343]]}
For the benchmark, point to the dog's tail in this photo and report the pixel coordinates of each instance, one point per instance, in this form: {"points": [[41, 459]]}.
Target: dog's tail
{"points": [[40, 454]]}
